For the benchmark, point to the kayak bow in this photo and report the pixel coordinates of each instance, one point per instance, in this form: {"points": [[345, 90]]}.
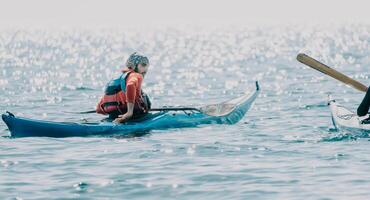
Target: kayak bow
{"points": [[346, 120], [229, 112]]}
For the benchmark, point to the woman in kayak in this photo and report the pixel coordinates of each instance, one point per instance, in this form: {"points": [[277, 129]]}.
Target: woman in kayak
{"points": [[363, 109], [123, 98]]}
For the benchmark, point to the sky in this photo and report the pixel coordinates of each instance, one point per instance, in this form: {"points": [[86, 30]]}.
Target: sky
{"points": [[112, 13]]}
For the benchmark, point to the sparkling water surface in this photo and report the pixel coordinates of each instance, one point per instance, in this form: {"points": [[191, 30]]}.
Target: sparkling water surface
{"points": [[284, 148]]}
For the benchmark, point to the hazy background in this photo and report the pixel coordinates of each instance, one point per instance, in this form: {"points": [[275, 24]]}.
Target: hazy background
{"points": [[142, 13], [284, 148]]}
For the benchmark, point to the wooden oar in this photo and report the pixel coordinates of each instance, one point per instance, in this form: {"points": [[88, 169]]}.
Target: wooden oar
{"points": [[307, 60]]}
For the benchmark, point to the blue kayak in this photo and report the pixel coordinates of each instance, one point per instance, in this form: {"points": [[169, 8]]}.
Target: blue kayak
{"points": [[229, 112]]}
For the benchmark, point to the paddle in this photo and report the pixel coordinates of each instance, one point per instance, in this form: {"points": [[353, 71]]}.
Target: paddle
{"points": [[307, 60], [212, 110], [152, 109]]}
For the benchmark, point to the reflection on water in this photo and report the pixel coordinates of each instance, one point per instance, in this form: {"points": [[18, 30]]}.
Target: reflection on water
{"points": [[285, 141]]}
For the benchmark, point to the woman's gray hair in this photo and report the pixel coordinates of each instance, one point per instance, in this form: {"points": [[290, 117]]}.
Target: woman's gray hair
{"points": [[135, 59]]}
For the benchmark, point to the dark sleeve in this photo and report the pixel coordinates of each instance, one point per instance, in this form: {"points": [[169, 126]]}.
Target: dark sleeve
{"points": [[365, 104]]}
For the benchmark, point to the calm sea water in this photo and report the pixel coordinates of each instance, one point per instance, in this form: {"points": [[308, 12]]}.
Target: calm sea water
{"points": [[285, 147]]}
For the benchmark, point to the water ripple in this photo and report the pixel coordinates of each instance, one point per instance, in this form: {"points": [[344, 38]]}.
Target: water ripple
{"points": [[285, 142]]}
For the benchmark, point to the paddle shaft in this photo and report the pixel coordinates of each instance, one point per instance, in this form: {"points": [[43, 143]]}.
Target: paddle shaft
{"points": [[307, 60], [152, 109], [209, 110]]}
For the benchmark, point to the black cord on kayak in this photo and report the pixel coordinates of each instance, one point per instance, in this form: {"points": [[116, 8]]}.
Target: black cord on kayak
{"points": [[10, 114]]}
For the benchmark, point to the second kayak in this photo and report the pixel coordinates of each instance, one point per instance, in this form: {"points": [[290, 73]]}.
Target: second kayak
{"points": [[346, 120]]}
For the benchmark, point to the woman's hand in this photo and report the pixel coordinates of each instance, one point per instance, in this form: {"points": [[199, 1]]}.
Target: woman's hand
{"points": [[126, 116], [122, 118]]}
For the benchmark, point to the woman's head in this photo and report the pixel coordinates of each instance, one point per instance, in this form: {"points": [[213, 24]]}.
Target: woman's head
{"points": [[138, 63]]}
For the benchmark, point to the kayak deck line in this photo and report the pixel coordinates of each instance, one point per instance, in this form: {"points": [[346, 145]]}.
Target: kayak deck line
{"points": [[228, 112]]}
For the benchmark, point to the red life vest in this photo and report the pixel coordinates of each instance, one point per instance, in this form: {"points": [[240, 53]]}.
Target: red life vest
{"points": [[113, 101]]}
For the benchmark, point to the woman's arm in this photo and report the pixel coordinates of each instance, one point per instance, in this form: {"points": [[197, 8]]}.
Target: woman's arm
{"points": [[127, 115], [132, 84], [365, 104]]}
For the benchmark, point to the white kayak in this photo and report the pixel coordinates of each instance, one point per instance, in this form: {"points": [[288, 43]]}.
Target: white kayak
{"points": [[346, 120]]}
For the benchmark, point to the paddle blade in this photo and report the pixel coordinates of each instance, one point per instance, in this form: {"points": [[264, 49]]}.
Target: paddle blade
{"points": [[227, 107], [307, 60], [218, 109]]}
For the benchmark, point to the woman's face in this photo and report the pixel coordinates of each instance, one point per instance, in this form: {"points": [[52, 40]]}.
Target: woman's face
{"points": [[142, 68]]}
